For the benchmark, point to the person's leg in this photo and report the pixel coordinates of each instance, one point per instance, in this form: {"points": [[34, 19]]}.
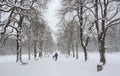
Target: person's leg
{"points": [[55, 58]]}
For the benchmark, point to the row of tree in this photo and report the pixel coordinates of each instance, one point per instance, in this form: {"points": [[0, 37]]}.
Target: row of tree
{"points": [[23, 21], [84, 20]]}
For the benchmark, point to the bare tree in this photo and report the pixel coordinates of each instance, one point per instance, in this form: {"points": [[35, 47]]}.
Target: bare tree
{"points": [[78, 8], [17, 11], [104, 19]]}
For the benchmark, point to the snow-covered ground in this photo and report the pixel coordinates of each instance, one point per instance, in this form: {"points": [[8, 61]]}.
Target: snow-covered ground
{"points": [[63, 67]]}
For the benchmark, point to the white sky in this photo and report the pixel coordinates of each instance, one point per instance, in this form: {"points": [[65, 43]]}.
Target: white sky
{"points": [[51, 16]]}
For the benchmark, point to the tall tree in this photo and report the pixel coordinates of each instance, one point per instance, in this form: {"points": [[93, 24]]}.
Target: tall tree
{"points": [[104, 19], [78, 8], [17, 11]]}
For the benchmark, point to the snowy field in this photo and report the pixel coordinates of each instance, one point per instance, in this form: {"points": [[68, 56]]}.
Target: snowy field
{"points": [[63, 67]]}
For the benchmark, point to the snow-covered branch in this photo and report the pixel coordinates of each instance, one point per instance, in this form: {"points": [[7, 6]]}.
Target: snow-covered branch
{"points": [[113, 22]]}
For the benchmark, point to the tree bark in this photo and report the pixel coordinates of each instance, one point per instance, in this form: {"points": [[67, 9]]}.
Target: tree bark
{"points": [[101, 35], [68, 49], [73, 50], [19, 40], [80, 16], [29, 52], [85, 52], [35, 51], [29, 43], [77, 51]]}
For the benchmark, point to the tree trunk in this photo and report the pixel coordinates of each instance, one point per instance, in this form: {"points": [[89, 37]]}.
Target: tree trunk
{"points": [[73, 50], [19, 40], [85, 53], [29, 43], [83, 43], [76, 50], [103, 34], [35, 51], [68, 49], [101, 37], [102, 51], [40, 48], [28, 52], [19, 47]]}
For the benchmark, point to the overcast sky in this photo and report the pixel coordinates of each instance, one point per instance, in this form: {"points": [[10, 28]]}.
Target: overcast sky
{"points": [[51, 16]]}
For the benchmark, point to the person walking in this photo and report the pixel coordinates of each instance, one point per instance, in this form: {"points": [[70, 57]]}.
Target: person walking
{"points": [[55, 57]]}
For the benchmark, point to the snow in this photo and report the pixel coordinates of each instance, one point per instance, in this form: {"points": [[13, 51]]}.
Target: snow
{"points": [[63, 67]]}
